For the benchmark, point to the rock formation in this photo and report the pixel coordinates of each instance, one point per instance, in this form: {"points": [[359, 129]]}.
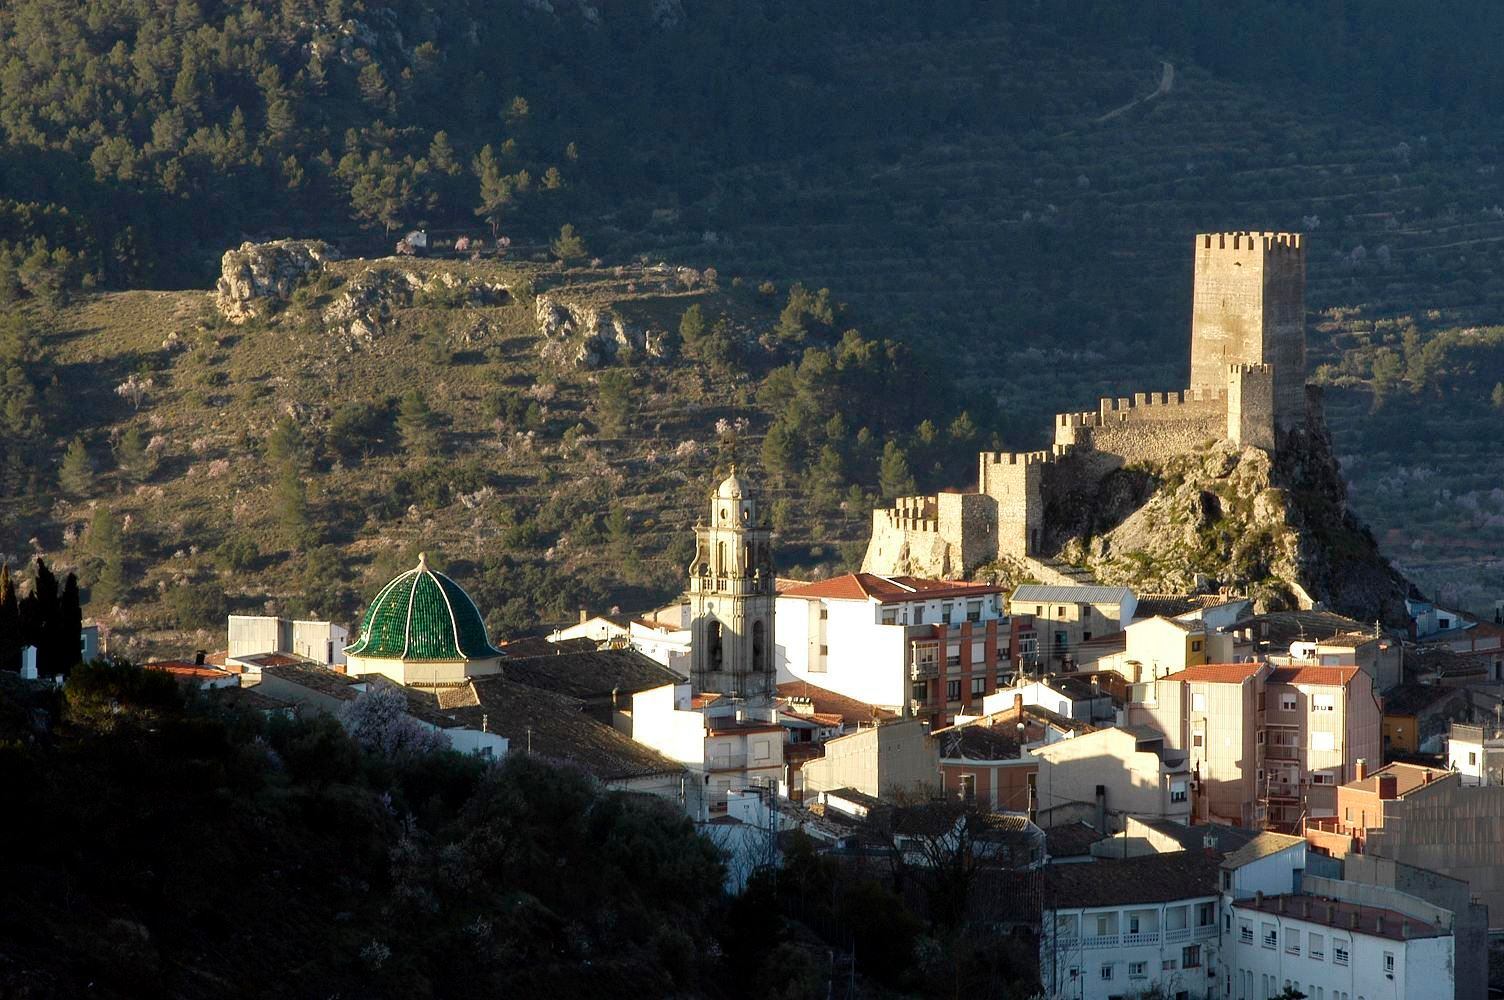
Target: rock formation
{"points": [[579, 336], [258, 277]]}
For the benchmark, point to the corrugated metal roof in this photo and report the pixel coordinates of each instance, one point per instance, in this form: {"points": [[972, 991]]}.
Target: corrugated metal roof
{"points": [[1054, 594]]}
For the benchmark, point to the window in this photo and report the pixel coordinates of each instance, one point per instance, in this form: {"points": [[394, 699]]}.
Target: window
{"points": [[1073, 972], [1287, 703], [1323, 741], [1339, 952], [1177, 791], [1039, 610], [952, 690], [978, 686], [974, 611], [1472, 757], [761, 750], [1198, 703], [1190, 956], [1316, 947], [953, 656], [1206, 914], [1104, 925], [968, 788], [1292, 941], [890, 616], [1323, 778], [825, 614], [1198, 740], [824, 649], [1138, 970], [920, 691], [1133, 924], [1323, 703], [1389, 962], [1271, 936], [1168, 965], [1195, 645], [1245, 932], [1062, 612], [1107, 971], [1347, 814]]}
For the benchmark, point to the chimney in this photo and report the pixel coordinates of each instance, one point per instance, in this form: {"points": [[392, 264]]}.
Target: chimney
{"points": [[1360, 769], [1428, 776], [1018, 703], [1209, 844], [199, 654], [584, 616], [1388, 786]]}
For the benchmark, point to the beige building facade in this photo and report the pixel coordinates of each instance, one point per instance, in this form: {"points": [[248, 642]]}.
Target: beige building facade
{"points": [[894, 760], [1136, 773]]}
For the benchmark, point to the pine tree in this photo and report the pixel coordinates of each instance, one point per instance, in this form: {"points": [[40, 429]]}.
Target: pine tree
{"points": [[495, 188], [780, 451], [569, 247], [77, 474], [132, 455], [106, 546], [893, 475], [417, 425], [10, 622], [613, 402], [290, 500], [692, 329], [284, 446]]}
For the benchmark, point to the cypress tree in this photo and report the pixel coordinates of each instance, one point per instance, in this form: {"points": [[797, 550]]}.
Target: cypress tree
{"points": [[10, 623], [67, 628]]}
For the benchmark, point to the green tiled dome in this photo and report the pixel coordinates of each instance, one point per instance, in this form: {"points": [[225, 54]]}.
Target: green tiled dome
{"points": [[423, 615]]}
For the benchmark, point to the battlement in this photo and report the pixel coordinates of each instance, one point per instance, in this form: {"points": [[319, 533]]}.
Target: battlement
{"points": [[1017, 457], [1269, 242], [915, 514], [1243, 368]]}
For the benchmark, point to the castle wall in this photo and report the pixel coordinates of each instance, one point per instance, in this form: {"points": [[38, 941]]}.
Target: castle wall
{"points": [[1149, 427], [1248, 307], [1013, 481], [968, 525], [1250, 406], [906, 538]]}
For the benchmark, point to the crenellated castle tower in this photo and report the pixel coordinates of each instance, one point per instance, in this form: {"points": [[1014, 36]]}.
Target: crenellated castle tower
{"points": [[1247, 386]]}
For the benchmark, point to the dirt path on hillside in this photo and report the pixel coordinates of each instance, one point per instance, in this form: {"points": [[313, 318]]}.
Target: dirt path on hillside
{"points": [[1166, 84]]}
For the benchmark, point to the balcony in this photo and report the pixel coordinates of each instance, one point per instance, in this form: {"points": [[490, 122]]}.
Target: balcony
{"points": [[727, 762], [1177, 935], [1100, 941], [1145, 937], [1276, 752], [923, 671], [1209, 931]]}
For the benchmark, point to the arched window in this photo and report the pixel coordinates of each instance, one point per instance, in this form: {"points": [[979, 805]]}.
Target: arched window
{"points": [[713, 645], [757, 646]]}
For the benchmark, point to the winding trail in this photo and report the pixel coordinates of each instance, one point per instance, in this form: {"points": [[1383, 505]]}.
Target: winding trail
{"points": [[1166, 84]]}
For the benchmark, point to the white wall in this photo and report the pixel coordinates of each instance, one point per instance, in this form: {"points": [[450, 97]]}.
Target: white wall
{"points": [[1154, 946], [323, 642], [864, 658], [1422, 966], [668, 647], [1457, 759], [676, 734], [795, 617], [1272, 875], [1035, 693], [473, 741], [252, 634]]}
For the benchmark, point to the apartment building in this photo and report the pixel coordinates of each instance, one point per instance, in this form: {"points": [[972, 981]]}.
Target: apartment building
{"points": [[989, 761], [1320, 637], [928, 648], [1107, 775], [1066, 616], [1267, 744]]}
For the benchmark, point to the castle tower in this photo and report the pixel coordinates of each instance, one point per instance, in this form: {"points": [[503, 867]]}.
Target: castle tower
{"points": [[1248, 308], [732, 597]]}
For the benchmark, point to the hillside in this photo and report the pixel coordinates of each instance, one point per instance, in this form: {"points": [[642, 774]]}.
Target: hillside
{"points": [[956, 172], [547, 432]]}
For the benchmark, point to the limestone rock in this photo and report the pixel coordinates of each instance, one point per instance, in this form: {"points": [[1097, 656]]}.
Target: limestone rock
{"points": [[579, 336], [257, 277], [365, 303]]}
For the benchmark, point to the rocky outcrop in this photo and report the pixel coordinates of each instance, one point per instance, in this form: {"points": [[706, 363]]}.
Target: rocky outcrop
{"points": [[258, 277], [576, 336], [366, 301], [1278, 529]]}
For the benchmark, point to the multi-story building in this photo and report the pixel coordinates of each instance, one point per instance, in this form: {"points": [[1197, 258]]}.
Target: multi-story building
{"points": [[1076, 696], [1476, 753], [1330, 948], [1065, 616], [1109, 774], [929, 648], [988, 761], [1362, 803], [1111, 929], [1321, 637], [321, 642], [896, 760], [1267, 744]]}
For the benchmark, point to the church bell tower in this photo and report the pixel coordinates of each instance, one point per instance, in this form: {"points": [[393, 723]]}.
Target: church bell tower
{"points": [[732, 596]]}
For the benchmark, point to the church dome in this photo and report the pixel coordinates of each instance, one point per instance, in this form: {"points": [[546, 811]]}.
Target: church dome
{"points": [[731, 488], [423, 615]]}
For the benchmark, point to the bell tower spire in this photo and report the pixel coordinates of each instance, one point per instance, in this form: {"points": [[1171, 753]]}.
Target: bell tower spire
{"points": [[732, 596]]}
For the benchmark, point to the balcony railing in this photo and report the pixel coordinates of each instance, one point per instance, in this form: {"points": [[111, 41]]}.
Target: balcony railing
{"points": [[1143, 937], [1207, 931], [727, 762], [923, 671], [1100, 941], [1275, 751], [1178, 934]]}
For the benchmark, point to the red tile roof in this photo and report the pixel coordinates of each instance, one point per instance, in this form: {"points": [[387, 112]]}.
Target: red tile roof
{"points": [[187, 668], [1330, 676], [1218, 673], [1407, 778], [888, 589], [852, 711]]}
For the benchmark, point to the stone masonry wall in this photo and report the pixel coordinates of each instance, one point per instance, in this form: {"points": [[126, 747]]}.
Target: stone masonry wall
{"points": [[1250, 406], [1013, 480], [1150, 427]]}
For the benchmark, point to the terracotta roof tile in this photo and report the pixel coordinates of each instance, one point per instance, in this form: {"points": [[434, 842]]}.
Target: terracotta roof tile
{"points": [[887, 589], [851, 711], [1330, 676], [1218, 673], [1154, 878]]}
